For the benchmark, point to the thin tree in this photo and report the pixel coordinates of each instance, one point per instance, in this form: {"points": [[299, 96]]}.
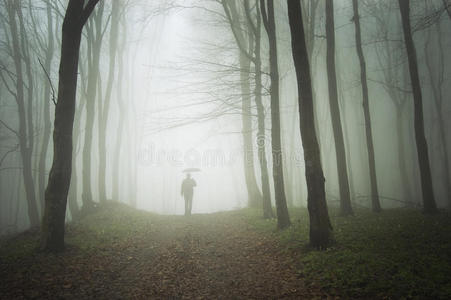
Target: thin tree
{"points": [[376, 206], [25, 133], [245, 44], [255, 28], [420, 138], [116, 7], [340, 153], [437, 80], [49, 50], [320, 227], [394, 78], [122, 108], [94, 39], [283, 218], [52, 232]]}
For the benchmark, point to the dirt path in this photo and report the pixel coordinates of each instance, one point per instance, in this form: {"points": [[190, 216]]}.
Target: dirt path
{"points": [[214, 256]]}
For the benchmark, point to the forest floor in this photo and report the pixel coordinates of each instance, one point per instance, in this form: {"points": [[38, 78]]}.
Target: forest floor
{"points": [[122, 253]]}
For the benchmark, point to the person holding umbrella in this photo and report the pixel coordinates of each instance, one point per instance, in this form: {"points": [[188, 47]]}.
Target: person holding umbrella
{"points": [[187, 191]]}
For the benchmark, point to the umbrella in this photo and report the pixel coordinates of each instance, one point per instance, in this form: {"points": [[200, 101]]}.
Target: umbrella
{"points": [[189, 170]]}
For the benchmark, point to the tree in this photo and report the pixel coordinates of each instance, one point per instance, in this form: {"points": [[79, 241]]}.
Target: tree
{"points": [[245, 45], [252, 52], [320, 227], [437, 81], [394, 82], [122, 108], [261, 127], [94, 39], [420, 138], [116, 7], [52, 232], [283, 218], [49, 50], [343, 181], [25, 134], [376, 206]]}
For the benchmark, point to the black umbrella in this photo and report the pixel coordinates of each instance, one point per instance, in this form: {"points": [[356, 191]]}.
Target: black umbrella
{"points": [[189, 170]]}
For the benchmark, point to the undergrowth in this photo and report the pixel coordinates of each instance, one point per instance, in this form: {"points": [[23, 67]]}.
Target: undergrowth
{"points": [[398, 253]]}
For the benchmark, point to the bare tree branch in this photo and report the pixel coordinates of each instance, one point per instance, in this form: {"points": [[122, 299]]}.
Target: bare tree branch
{"points": [[50, 81]]}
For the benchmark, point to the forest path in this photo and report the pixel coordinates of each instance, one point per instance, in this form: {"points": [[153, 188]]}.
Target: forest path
{"points": [[122, 253], [209, 257]]}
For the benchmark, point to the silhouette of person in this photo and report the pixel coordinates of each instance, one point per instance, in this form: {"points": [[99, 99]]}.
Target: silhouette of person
{"points": [[187, 192]]}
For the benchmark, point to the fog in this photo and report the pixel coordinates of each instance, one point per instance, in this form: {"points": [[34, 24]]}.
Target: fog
{"points": [[176, 103]]}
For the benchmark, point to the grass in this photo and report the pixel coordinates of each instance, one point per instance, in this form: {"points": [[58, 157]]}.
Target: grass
{"points": [[398, 253], [111, 223]]}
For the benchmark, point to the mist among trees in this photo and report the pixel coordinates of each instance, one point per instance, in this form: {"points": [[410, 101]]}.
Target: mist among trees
{"points": [[225, 148]]}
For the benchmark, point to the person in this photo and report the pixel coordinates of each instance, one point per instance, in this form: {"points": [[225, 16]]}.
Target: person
{"points": [[187, 192]]}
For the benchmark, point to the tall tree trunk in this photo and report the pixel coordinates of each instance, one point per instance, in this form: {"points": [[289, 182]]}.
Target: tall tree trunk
{"points": [[117, 153], [95, 41], [422, 148], [245, 45], [283, 218], [390, 79], [254, 195], [261, 138], [47, 98], [52, 234], [261, 134], [120, 130], [340, 153], [73, 190], [25, 122], [103, 114], [375, 203], [320, 227], [406, 186], [30, 92], [436, 87]]}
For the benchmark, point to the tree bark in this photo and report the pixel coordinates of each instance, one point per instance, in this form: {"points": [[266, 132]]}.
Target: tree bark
{"points": [[340, 153], [52, 232], [375, 203], [320, 227], [283, 218], [73, 190], [422, 147]]}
